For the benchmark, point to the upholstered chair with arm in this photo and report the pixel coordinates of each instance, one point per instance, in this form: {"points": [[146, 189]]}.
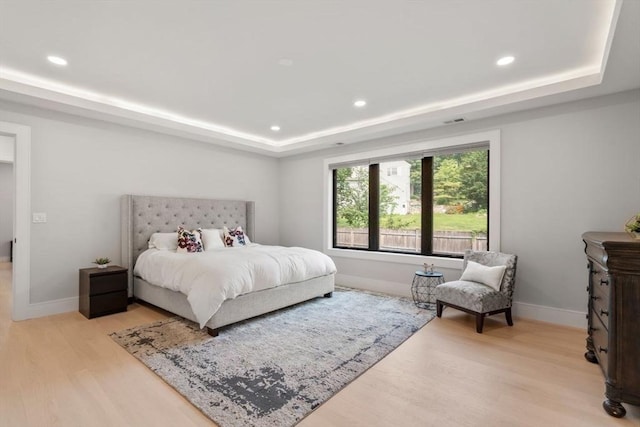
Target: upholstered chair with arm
{"points": [[476, 298]]}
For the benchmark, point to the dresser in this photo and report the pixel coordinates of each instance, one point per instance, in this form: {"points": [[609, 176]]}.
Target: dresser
{"points": [[613, 339], [102, 291]]}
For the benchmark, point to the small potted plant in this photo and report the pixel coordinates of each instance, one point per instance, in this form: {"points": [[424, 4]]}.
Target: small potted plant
{"points": [[102, 262], [633, 226]]}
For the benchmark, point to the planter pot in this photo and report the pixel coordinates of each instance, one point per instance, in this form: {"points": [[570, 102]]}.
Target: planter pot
{"points": [[103, 265]]}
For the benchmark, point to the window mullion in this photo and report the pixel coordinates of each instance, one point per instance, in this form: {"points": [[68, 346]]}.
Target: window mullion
{"points": [[374, 207], [335, 207], [488, 197], [426, 217]]}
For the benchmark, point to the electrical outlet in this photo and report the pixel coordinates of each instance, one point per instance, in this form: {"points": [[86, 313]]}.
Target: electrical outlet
{"points": [[39, 217]]}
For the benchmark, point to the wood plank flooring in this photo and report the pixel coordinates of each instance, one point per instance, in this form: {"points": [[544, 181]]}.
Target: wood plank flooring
{"points": [[65, 371]]}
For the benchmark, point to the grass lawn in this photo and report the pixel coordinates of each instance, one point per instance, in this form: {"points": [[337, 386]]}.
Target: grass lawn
{"points": [[461, 222], [444, 222]]}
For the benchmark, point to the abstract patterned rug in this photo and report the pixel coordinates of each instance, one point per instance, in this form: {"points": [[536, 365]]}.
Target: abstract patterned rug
{"points": [[275, 369]]}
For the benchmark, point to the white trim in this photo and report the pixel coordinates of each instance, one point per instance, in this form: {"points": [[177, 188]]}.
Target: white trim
{"points": [[48, 308], [610, 30], [30, 89], [491, 137], [417, 147], [22, 226], [559, 316], [440, 262], [374, 285]]}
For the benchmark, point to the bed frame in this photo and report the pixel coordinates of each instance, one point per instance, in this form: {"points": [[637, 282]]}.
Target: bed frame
{"points": [[144, 215]]}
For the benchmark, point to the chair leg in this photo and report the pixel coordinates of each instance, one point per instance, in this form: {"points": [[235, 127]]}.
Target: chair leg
{"points": [[508, 316], [438, 308], [479, 322]]}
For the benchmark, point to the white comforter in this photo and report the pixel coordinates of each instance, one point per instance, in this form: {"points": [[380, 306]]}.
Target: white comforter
{"points": [[209, 278]]}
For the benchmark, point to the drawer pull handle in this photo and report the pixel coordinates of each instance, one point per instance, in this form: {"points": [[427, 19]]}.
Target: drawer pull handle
{"points": [[604, 282], [594, 297], [604, 312], [603, 350]]}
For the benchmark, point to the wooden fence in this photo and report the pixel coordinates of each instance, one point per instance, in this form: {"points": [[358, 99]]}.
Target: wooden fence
{"points": [[449, 242]]}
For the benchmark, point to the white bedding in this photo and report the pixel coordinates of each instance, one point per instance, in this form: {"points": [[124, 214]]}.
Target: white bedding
{"points": [[209, 278]]}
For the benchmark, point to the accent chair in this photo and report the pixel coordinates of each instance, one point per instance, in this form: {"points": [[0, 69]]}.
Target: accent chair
{"points": [[477, 298]]}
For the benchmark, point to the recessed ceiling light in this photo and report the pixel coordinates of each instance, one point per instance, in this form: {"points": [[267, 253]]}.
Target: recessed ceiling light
{"points": [[275, 128], [360, 103], [505, 60], [57, 60]]}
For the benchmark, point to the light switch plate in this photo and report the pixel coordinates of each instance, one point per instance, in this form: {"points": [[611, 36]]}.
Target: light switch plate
{"points": [[39, 217]]}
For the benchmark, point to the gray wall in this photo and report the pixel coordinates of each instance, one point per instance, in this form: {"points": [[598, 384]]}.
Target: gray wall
{"points": [[6, 209], [566, 169], [81, 167]]}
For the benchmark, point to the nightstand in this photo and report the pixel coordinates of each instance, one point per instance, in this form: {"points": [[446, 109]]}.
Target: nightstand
{"points": [[103, 291], [423, 286]]}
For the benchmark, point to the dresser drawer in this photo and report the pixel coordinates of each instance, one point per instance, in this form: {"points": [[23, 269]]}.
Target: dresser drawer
{"points": [[108, 303], [600, 337], [600, 305], [108, 283]]}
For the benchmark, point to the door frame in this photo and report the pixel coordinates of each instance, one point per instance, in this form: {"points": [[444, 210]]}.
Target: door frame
{"points": [[21, 307]]}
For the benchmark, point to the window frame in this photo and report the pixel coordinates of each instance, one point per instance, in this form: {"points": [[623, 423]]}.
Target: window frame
{"points": [[423, 149]]}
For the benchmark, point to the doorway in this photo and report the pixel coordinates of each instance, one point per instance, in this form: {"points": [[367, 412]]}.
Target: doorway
{"points": [[7, 188], [19, 138]]}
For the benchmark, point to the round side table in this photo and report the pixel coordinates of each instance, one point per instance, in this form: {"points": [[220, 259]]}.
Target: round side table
{"points": [[422, 288]]}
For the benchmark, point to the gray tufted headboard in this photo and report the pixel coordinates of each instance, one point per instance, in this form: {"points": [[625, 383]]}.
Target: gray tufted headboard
{"points": [[141, 216]]}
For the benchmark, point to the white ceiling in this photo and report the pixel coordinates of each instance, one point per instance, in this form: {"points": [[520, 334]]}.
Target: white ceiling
{"points": [[226, 71]]}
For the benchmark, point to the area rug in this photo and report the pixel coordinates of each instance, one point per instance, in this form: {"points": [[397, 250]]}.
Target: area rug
{"points": [[275, 369]]}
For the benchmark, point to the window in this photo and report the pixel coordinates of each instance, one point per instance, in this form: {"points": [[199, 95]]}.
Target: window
{"points": [[351, 191], [434, 203], [460, 202], [399, 204]]}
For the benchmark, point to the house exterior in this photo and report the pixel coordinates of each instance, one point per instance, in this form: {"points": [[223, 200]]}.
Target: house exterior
{"points": [[396, 176]]}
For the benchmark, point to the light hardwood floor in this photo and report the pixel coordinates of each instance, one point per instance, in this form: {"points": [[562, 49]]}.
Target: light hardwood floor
{"points": [[65, 371]]}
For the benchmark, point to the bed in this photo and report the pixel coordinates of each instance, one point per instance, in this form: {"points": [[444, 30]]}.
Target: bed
{"points": [[141, 216]]}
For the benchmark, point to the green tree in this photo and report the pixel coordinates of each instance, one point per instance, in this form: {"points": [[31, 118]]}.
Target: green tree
{"points": [[474, 169], [416, 178], [446, 182], [353, 197]]}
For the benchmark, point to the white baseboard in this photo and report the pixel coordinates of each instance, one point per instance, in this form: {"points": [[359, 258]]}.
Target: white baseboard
{"points": [[367, 284], [542, 313], [559, 316], [523, 310], [48, 308]]}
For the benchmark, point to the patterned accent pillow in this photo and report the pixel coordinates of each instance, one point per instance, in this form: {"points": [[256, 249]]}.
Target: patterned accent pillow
{"points": [[189, 240], [235, 237]]}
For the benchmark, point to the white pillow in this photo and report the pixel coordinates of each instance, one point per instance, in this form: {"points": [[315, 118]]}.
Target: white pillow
{"points": [[164, 241], [490, 276], [212, 239]]}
